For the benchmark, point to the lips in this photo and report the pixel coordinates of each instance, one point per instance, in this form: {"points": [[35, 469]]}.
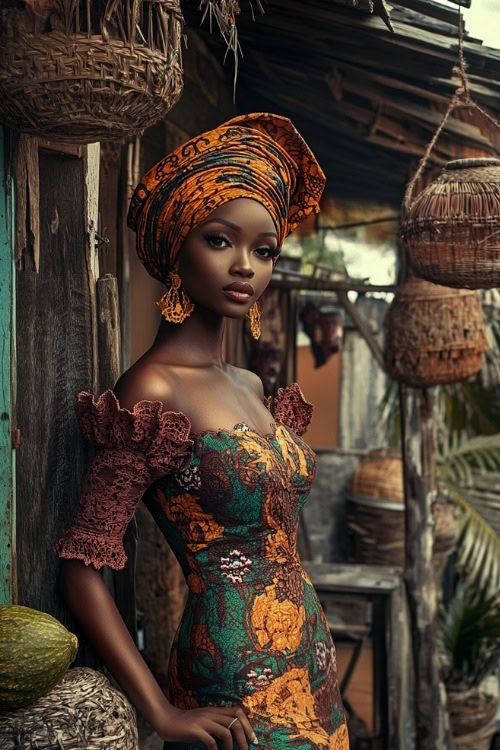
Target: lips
{"points": [[239, 286], [239, 291]]}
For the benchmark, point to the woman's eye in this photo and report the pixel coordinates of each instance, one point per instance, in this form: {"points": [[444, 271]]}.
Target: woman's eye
{"points": [[217, 240], [266, 252]]}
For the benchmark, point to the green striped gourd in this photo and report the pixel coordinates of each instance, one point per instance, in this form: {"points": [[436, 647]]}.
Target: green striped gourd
{"points": [[35, 652]]}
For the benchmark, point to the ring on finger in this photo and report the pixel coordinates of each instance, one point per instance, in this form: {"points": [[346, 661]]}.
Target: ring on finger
{"points": [[231, 724]]}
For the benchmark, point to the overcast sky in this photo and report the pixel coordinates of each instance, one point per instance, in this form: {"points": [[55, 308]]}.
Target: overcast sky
{"points": [[482, 20]]}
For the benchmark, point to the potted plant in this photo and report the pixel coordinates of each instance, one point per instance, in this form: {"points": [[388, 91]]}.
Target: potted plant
{"points": [[470, 630]]}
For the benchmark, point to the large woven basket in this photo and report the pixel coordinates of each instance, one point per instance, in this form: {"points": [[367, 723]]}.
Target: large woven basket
{"points": [[76, 78], [433, 334], [375, 510], [452, 229], [83, 710], [472, 718]]}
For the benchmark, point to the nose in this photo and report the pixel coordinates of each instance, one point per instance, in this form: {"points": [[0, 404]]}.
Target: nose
{"points": [[242, 266]]}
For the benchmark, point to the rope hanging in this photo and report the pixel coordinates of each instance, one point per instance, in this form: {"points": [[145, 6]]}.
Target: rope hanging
{"points": [[461, 98]]}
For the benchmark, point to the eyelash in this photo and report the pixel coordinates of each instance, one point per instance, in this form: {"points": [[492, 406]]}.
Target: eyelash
{"points": [[272, 252]]}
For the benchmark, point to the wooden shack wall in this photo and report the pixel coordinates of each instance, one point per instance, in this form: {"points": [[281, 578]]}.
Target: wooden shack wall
{"points": [[56, 358]]}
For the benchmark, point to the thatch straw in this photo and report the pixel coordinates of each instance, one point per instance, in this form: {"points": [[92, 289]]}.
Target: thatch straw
{"points": [[433, 334], [76, 76], [452, 229], [82, 711]]}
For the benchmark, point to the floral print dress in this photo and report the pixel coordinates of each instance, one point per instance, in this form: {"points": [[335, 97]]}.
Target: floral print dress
{"points": [[228, 502]]}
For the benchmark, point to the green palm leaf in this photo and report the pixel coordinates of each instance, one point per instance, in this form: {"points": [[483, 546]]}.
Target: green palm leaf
{"points": [[470, 630], [463, 458], [478, 545]]}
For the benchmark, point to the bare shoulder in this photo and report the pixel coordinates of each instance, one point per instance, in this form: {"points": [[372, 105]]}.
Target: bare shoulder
{"points": [[252, 380], [145, 382]]}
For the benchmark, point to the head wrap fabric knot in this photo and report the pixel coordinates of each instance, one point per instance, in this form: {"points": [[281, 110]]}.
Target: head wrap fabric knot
{"points": [[258, 156]]}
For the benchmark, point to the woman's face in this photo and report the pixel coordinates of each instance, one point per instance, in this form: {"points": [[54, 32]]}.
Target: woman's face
{"points": [[226, 262]]}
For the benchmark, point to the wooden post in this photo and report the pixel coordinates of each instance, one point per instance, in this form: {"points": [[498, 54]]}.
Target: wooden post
{"points": [[7, 357], [419, 462]]}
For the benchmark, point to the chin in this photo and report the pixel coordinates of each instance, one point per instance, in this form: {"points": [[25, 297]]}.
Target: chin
{"points": [[236, 315]]}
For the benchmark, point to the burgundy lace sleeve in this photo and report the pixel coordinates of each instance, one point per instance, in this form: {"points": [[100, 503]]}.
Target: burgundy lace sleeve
{"points": [[290, 407], [133, 450]]}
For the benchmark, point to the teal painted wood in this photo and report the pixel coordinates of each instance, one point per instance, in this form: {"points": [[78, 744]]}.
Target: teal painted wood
{"points": [[7, 359]]}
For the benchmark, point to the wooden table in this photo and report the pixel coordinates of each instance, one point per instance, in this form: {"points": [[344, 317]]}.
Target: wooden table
{"points": [[380, 594]]}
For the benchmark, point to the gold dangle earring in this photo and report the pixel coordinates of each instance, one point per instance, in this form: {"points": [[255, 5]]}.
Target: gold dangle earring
{"points": [[175, 305], [254, 315]]}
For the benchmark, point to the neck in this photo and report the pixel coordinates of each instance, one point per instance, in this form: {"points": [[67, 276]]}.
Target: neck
{"points": [[196, 342]]}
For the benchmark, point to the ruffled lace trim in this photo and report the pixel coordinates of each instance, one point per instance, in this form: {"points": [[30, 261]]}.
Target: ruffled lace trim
{"points": [[291, 408], [93, 550], [162, 436]]}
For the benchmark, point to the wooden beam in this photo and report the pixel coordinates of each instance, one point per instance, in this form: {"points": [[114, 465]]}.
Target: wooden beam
{"points": [[431, 9], [307, 283], [362, 5], [363, 327]]}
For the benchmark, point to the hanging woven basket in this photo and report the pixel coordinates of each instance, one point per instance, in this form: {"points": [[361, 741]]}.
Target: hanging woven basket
{"points": [[433, 334], [83, 710], [75, 76], [452, 229]]}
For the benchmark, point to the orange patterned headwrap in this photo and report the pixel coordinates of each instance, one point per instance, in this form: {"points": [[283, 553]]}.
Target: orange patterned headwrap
{"points": [[258, 156]]}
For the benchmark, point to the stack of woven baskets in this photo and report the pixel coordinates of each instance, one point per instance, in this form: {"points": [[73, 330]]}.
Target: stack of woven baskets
{"points": [[375, 510], [376, 517], [83, 71]]}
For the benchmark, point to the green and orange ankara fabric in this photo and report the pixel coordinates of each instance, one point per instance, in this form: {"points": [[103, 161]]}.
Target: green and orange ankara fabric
{"points": [[259, 156]]}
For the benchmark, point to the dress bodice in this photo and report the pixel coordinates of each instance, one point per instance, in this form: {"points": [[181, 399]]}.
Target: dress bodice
{"points": [[203, 488], [238, 499]]}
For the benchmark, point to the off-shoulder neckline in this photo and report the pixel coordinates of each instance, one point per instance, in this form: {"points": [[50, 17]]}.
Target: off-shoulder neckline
{"points": [[192, 434]]}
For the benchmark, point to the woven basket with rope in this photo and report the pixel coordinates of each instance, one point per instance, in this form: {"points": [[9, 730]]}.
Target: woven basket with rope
{"points": [[89, 70], [452, 228], [433, 334]]}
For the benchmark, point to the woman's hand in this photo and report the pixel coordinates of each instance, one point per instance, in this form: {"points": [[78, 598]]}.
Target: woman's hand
{"points": [[203, 726]]}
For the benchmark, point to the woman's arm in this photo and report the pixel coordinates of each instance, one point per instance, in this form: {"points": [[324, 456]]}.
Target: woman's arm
{"points": [[91, 603]]}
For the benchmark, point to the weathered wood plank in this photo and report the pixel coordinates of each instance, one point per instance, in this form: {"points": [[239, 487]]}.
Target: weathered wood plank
{"points": [[56, 354], [8, 589], [432, 9], [27, 236], [419, 462], [108, 331]]}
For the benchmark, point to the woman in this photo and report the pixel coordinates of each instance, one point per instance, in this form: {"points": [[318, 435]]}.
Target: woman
{"points": [[222, 470]]}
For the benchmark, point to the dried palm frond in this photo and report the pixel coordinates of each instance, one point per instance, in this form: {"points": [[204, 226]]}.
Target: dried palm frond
{"points": [[225, 13]]}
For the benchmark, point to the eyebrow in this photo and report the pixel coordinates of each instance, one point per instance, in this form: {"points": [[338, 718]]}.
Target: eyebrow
{"points": [[236, 227]]}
